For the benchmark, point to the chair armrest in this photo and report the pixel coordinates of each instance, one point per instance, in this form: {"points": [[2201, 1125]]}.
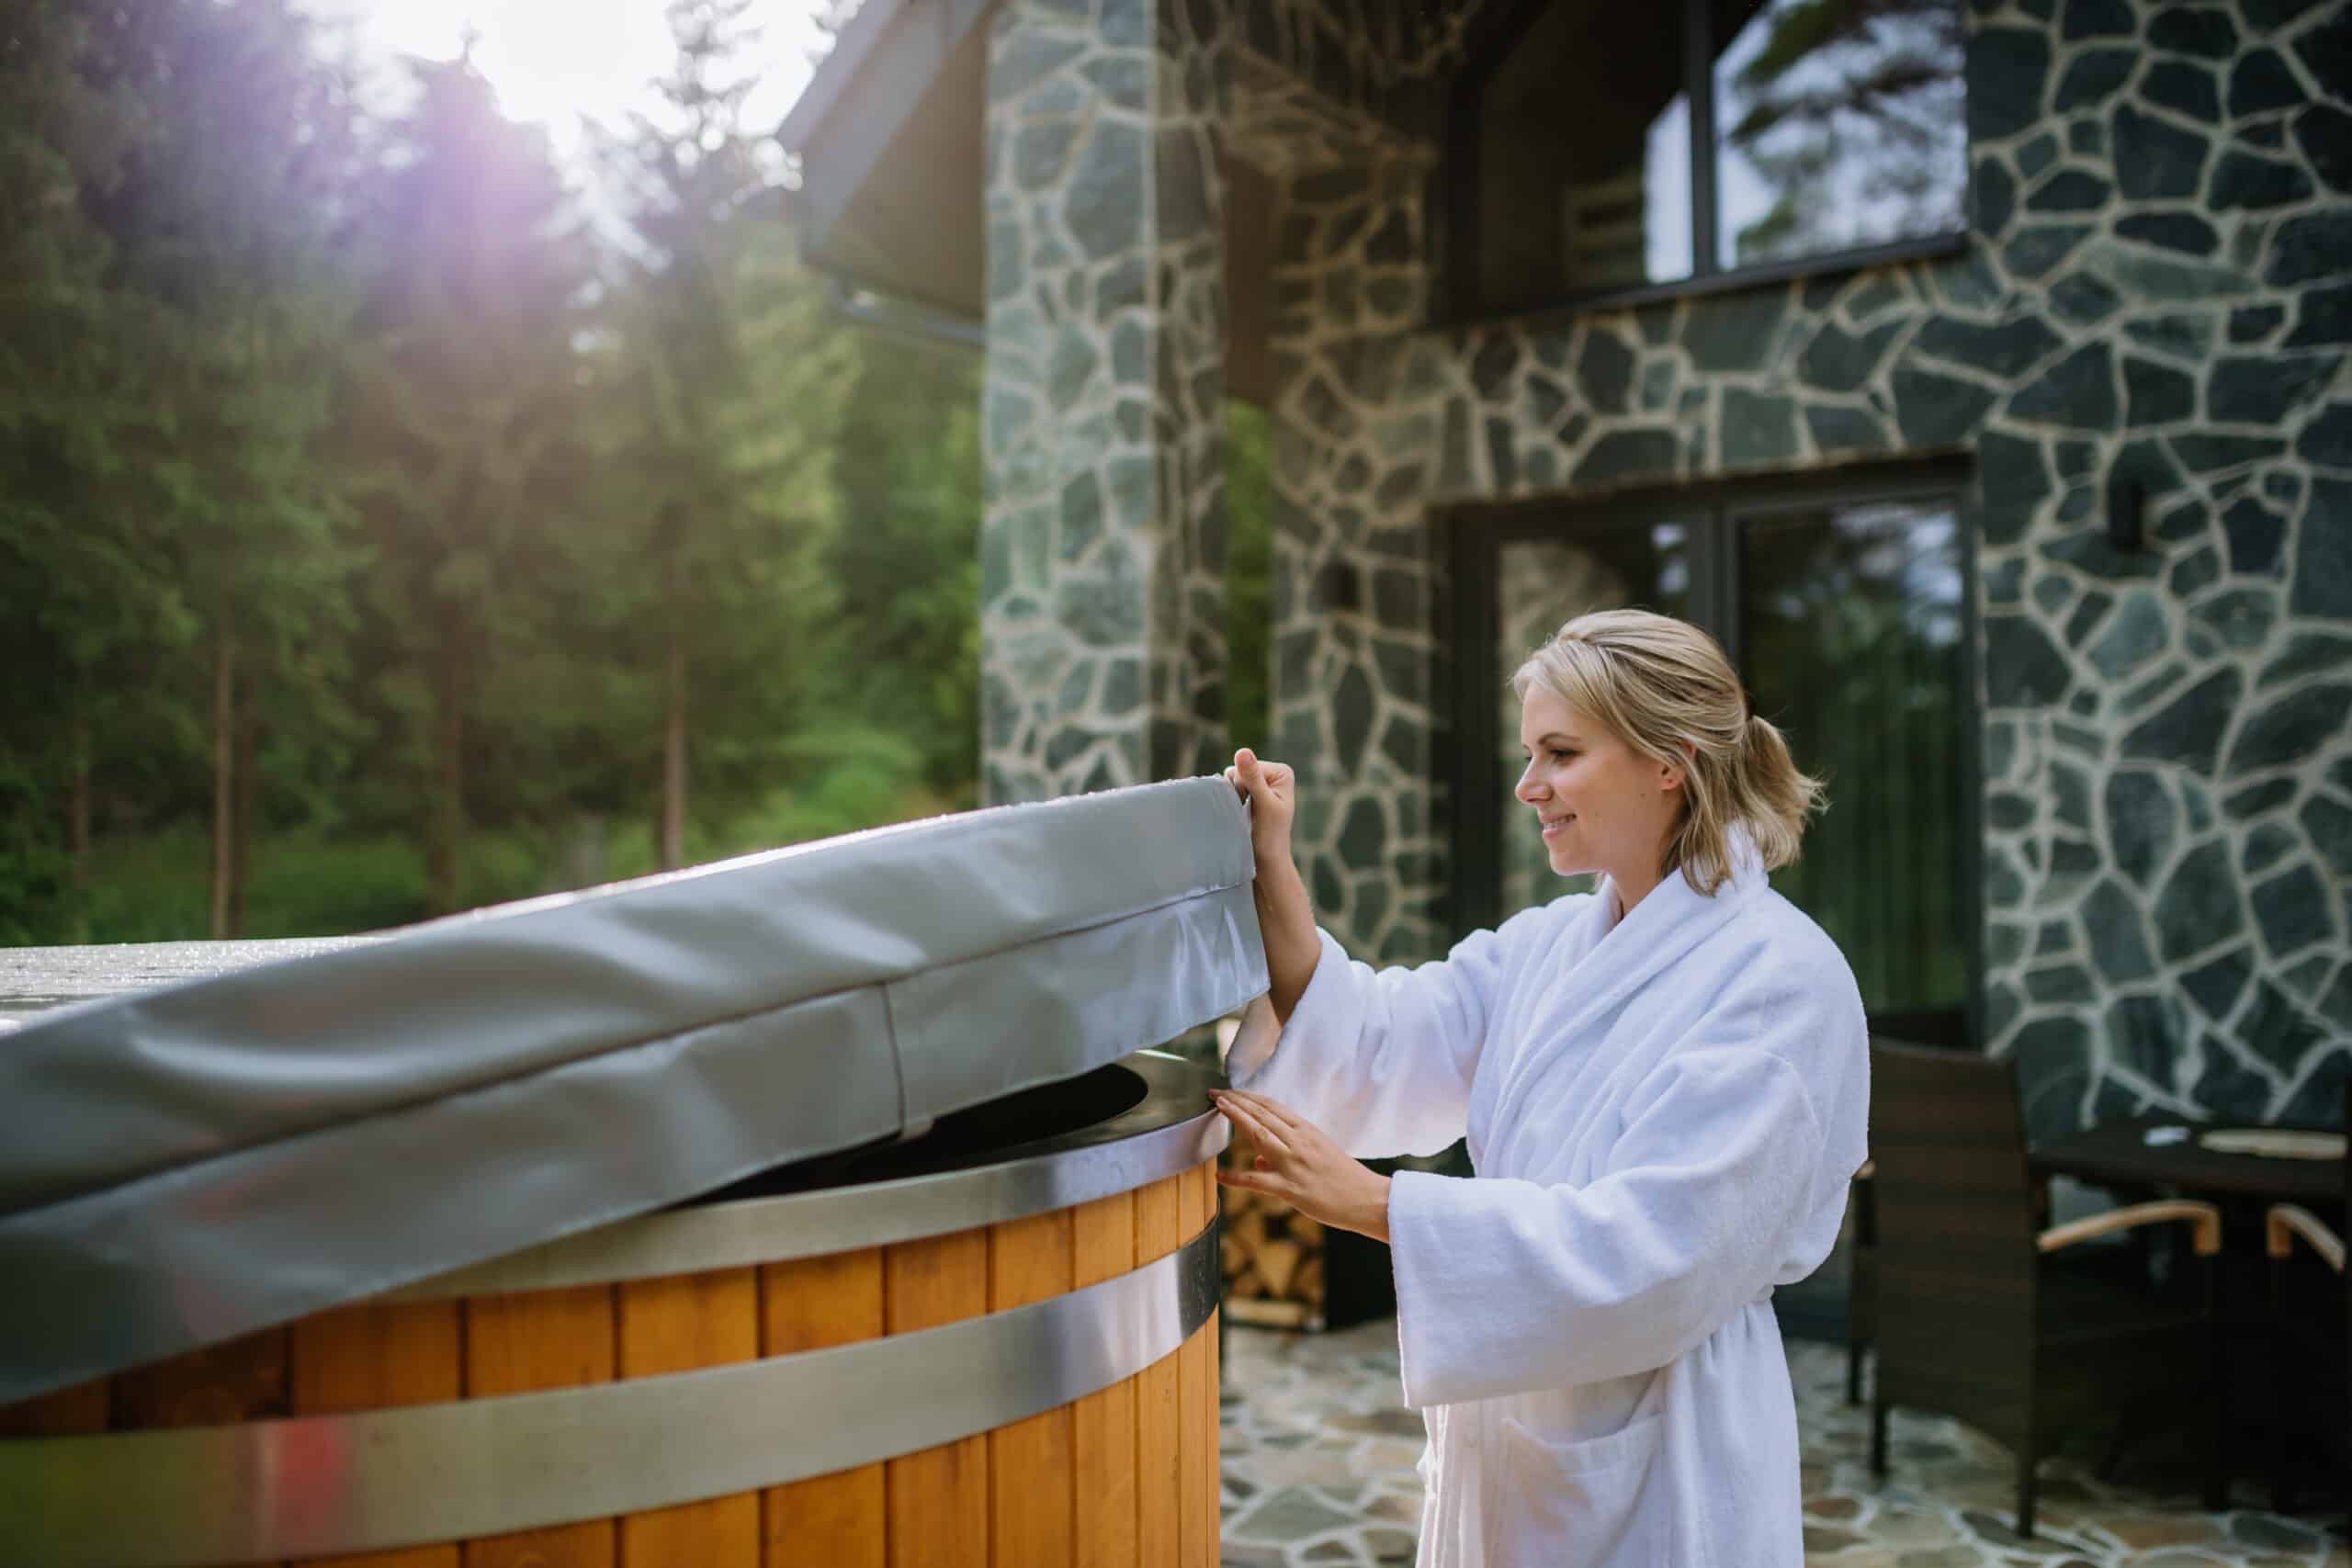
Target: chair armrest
{"points": [[2204, 1217], [2284, 1222]]}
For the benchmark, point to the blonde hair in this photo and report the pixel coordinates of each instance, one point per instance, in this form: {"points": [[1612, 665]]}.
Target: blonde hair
{"points": [[1664, 689]]}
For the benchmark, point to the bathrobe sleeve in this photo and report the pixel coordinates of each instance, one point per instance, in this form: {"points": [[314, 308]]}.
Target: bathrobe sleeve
{"points": [[1381, 1059], [1508, 1286]]}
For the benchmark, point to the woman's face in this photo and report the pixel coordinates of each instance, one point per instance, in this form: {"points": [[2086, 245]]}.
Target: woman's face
{"points": [[1603, 805]]}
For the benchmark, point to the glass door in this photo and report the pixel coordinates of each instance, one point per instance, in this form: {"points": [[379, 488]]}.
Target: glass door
{"points": [[1845, 609]]}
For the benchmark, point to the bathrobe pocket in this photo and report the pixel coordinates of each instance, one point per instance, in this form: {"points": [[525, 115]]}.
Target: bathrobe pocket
{"points": [[1600, 1503]]}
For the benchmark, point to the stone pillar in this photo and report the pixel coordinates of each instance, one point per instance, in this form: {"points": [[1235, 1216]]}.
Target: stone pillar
{"points": [[1359, 704], [1102, 553]]}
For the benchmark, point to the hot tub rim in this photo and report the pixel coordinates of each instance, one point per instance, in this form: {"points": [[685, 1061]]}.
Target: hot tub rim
{"points": [[1172, 1130]]}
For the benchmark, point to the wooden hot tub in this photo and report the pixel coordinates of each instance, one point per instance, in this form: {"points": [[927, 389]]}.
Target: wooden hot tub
{"points": [[942, 1352], [833, 1206]]}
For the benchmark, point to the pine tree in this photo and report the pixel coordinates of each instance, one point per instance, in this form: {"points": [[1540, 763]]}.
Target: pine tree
{"points": [[178, 496], [725, 388], [225, 224], [74, 588], [462, 427]]}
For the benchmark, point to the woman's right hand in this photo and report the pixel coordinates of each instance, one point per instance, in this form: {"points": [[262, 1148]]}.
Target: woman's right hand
{"points": [[1271, 790]]}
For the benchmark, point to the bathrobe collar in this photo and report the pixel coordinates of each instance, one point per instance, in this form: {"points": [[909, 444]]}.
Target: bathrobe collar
{"points": [[1607, 958]]}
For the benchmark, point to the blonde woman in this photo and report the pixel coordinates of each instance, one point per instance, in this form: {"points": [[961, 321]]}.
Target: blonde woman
{"points": [[1664, 1088]]}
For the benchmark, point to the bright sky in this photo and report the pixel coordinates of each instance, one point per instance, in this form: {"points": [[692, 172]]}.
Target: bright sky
{"points": [[561, 62]]}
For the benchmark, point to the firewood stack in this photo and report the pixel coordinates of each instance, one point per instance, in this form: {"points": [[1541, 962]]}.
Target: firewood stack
{"points": [[1274, 1259], [1274, 1256], [1285, 1271]]}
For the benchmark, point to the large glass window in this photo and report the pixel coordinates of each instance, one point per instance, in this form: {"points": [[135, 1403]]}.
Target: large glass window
{"points": [[1837, 126], [1606, 205], [1843, 610], [1850, 626], [1606, 147]]}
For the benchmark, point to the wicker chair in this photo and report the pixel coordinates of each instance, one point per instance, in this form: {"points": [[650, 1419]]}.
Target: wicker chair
{"points": [[1862, 1280], [2307, 1350], [1975, 1318]]}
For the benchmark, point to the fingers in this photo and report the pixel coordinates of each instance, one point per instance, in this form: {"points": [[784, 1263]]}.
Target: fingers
{"points": [[1253, 776], [1250, 1181], [1265, 1133], [1272, 1110]]}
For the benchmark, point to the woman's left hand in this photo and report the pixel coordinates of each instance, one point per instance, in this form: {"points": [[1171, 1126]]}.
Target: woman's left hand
{"points": [[1303, 1169]]}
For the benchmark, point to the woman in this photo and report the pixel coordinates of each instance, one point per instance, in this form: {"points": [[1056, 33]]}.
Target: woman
{"points": [[1664, 1084]]}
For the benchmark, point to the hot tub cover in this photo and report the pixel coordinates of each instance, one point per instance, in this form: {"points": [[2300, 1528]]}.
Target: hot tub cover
{"points": [[188, 1163]]}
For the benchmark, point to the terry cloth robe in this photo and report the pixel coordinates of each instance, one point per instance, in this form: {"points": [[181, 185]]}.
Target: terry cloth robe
{"points": [[1664, 1111]]}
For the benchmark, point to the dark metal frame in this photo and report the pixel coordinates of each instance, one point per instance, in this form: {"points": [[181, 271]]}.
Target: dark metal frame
{"points": [[1454, 299], [1475, 537]]}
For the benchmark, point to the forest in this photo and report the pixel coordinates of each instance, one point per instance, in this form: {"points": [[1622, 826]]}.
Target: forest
{"points": [[387, 528]]}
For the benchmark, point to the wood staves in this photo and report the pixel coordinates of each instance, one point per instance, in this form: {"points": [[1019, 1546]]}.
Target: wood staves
{"points": [[1124, 1475]]}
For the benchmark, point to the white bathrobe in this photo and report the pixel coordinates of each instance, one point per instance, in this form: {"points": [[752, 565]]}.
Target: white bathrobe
{"points": [[1663, 1111]]}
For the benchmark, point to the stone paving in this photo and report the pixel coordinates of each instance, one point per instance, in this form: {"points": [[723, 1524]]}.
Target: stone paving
{"points": [[1319, 1453]]}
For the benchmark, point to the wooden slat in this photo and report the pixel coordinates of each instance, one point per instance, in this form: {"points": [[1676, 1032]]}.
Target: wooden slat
{"points": [[1196, 1437], [1210, 1460], [537, 1340], [70, 1411], [372, 1357], [1158, 1487], [674, 1325], [1033, 1515], [1103, 1425], [938, 1498], [839, 1520]]}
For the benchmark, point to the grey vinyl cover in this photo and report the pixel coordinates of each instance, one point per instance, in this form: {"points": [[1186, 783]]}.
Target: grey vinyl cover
{"points": [[184, 1164]]}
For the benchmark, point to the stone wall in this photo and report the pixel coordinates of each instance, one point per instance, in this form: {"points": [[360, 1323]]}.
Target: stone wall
{"points": [[2160, 278], [1103, 404], [1379, 64], [1102, 541], [1359, 672]]}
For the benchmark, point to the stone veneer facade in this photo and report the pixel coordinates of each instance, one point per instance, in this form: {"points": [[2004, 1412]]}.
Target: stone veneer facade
{"points": [[2158, 276], [1103, 546]]}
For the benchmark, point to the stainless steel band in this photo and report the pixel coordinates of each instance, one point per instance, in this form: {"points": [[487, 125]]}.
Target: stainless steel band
{"points": [[436, 1472], [1121, 1155]]}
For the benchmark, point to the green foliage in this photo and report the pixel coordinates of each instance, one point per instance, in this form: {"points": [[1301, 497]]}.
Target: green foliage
{"points": [[1248, 574], [905, 561], [34, 894], [721, 386], [1846, 100], [452, 477]]}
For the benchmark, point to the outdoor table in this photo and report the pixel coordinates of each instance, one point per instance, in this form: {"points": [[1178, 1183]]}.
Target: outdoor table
{"points": [[2117, 1155]]}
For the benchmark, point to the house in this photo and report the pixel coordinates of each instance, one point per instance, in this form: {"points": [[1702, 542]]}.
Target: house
{"points": [[1976, 371]]}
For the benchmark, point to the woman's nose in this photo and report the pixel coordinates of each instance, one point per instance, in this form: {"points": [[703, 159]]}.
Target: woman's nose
{"points": [[1528, 791]]}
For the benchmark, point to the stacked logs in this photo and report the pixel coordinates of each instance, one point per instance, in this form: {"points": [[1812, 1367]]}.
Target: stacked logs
{"points": [[1273, 1256], [1274, 1260]]}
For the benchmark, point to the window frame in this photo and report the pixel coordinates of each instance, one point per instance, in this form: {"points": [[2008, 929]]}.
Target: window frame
{"points": [[1453, 193], [1475, 534]]}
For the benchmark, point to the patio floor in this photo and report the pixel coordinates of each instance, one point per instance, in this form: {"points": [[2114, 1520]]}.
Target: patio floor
{"points": [[1319, 1453]]}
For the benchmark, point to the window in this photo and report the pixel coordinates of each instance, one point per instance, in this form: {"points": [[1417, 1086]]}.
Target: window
{"points": [[1603, 148], [1844, 610]]}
